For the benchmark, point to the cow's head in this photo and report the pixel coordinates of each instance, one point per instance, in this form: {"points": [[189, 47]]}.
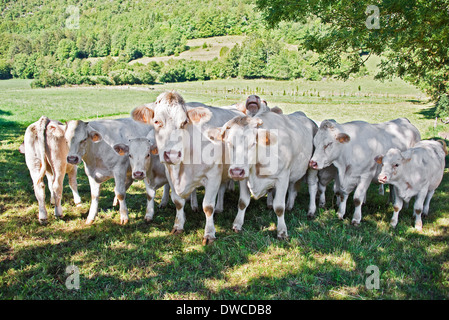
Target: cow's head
{"points": [[139, 152], [328, 142], [254, 104], [78, 135], [243, 136], [392, 164], [172, 123]]}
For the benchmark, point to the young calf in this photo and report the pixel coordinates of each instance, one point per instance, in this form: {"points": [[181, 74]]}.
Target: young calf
{"points": [[418, 171], [45, 149], [145, 165]]}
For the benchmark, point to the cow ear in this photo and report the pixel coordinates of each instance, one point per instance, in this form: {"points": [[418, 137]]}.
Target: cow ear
{"points": [[153, 149], [343, 138], [241, 107], [276, 110], [215, 134], [121, 149], [266, 137], [143, 114], [406, 156], [199, 115], [95, 136], [379, 159], [55, 130], [22, 148]]}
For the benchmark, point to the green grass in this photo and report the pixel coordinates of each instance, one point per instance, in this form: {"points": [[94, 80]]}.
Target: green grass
{"points": [[324, 258]]}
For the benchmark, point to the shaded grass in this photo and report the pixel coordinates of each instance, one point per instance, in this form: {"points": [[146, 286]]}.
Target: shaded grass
{"points": [[324, 258]]}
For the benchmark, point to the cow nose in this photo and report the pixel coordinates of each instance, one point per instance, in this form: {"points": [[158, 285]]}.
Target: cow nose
{"points": [[237, 173], [138, 175], [313, 164], [171, 156], [73, 159], [382, 179]]}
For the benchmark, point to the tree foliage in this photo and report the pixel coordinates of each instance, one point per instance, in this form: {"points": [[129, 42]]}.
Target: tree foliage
{"points": [[412, 37]]}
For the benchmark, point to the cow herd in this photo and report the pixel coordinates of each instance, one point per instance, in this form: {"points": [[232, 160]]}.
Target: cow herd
{"points": [[185, 146]]}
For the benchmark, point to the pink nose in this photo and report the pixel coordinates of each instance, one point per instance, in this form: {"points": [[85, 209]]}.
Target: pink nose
{"points": [[139, 175], [171, 156], [382, 179], [73, 159], [313, 164], [237, 173]]}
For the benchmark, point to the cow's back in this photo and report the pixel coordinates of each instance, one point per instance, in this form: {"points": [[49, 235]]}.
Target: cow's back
{"points": [[399, 133]]}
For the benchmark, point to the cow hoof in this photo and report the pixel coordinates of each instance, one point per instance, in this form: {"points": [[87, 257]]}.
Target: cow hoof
{"points": [[195, 209], [89, 222], [176, 232], [148, 220], [43, 222], [78, 205], [162, 206], [341, 217], [355, 223], [282, 237], [123, 221], [208, 240], [236, 229], [310, 216], [218, 210]]}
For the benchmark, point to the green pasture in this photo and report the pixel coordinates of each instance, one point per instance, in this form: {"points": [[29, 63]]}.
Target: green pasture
{"points": [[324, 258]]}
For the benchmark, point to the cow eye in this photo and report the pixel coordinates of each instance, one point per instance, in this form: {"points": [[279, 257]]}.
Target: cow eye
{"points": [[158, 123], [148, 155], [130, 156], [396, 165]]}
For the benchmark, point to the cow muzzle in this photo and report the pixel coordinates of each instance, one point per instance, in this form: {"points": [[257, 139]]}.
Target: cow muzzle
{"points": [[382, 178], [313, 165], [172, 157], [139, 175], [73, 159], [237, 173]]}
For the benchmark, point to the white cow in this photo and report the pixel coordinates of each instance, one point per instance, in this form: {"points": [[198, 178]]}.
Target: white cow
{"points": [[190, 158], [91, 143], [417, 171], [145, 165], [270, 151], [351, 146], [46, 151]]}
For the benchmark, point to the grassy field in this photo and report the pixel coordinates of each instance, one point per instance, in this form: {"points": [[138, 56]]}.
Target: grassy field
{"points": [[324, 258]]}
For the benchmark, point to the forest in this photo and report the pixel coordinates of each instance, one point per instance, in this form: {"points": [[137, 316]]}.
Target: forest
{"points": [[54, 42]]}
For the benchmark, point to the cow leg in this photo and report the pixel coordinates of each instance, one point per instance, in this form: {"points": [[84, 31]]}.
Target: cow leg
{"points": [[50, 178], [94, 195], [165, 196], [418, 208], [359, 199], [291, 196], [57, 191], [322, 195], [312, 183], [398, 203], [342, 198], [210, 194], [194, 201], [73, 183], [270, 199], [180, 219], [429, 196], [150, 201], [279, 207], [220, 198], [245, 198], [39, 192], [120, 193]]}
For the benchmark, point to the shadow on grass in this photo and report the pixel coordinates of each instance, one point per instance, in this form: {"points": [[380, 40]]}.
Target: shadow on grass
{"points": [[324, 258]]}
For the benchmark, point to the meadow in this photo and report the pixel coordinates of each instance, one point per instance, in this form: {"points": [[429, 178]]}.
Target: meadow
{"points": [[324, 258]]}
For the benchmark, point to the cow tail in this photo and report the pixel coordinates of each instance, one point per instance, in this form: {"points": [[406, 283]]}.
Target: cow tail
{"points": [[42, 141]]}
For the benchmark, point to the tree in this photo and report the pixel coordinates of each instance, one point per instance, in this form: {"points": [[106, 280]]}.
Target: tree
{"points": [[66, 49], [411, 36]]}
